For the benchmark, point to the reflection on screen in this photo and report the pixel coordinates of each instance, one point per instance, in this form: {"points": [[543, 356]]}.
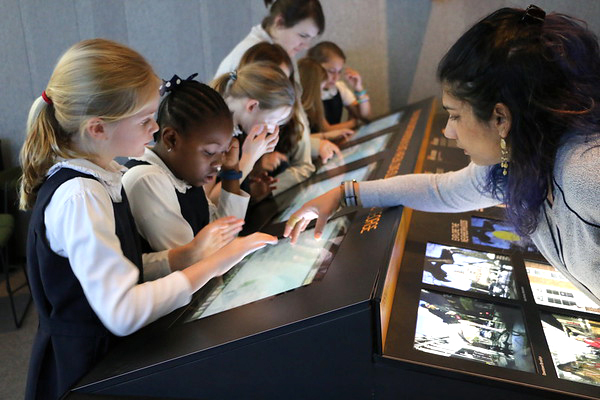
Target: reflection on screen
{"points": [[318, 188], [469, 270], [378, 125], [461, 327], [551, 288], [357, 152], [575, 347], [274, 269], [499, 234]]}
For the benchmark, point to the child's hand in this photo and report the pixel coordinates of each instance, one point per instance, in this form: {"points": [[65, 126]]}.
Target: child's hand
{"points": [[270, 161], [339, 135], [239, 248], [261, 185], [232, 157], [216, 235], [260, 141], [354, 79], [327, 150]]}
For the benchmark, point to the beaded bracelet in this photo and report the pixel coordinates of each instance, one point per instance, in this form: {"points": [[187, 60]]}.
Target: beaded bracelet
{"points": [[363, 99]]}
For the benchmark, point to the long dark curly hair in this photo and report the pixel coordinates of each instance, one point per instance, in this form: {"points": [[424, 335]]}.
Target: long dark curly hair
{"points": [[547, 72]]}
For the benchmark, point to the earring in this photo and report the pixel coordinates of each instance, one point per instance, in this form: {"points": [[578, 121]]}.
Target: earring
{"points": [[503, 156], [169, 149]]}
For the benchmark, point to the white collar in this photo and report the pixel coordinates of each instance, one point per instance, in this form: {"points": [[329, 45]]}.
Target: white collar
{"points": [[237, 131], [260, 33], [109, 178], [151, 157]]}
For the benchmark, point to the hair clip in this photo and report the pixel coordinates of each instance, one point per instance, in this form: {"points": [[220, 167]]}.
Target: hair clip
{"points": [[168, 86], [534, 15], [233, 75]]}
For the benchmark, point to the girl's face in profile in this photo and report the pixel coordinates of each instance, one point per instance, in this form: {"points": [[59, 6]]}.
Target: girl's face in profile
{"points": [[271, 118], [479, 139], [129, 136], [198, 154]]}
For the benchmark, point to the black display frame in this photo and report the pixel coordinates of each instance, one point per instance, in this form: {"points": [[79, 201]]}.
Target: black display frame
{"points": [[400, 358]]}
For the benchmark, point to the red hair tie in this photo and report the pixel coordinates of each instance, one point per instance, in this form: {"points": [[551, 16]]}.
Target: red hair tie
{"points": [[46, 98]]}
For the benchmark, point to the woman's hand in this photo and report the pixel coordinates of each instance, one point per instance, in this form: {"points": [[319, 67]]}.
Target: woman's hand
{"points": [[215, 235], [353, 78], [260, 141], [320, 208], [327, 150]]}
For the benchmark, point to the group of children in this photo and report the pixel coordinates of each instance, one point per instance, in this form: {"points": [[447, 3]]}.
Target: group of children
{"points": [[253, 132]]}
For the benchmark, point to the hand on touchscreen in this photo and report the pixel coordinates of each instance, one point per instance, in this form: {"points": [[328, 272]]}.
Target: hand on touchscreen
{"points": [[216, 235], [240, 247], [327, 150], [321, 208]]}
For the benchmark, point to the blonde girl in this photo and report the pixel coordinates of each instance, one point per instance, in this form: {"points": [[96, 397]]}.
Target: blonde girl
{"points": [[84, 260], [261, 97]]}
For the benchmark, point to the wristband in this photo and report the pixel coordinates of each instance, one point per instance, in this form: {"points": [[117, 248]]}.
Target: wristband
{"points": [[363, 99], [230, 175], [348, 198], [361, 93]]}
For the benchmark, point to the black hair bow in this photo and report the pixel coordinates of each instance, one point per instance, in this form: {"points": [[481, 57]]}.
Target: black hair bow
{"points": [[171, 84]]}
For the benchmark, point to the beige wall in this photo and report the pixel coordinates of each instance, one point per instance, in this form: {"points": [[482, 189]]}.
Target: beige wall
{"points": [[450, 18]]}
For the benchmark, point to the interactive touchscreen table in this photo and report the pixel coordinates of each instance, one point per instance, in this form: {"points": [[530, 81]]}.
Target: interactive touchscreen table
{"points": [[378, 125], [309, 192], [357, 152], [273, 270]]}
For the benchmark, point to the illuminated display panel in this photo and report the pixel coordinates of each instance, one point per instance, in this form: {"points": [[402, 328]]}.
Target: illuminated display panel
{"points": [[357, 152], [318, 188], [273, 270], [469, 270], [378, 125], [551, 288], [470, 329], [575, 347], [500, 235]]}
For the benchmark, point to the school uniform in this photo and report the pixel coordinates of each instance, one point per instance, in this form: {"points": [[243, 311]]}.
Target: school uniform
{"points": [[168, 211], [334, 101], [301, 166], [84, 266]]}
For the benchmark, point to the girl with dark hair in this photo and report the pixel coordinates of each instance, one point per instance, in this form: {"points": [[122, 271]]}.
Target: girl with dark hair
{"points": [[194, 144], [522, 92], [292, 24]]}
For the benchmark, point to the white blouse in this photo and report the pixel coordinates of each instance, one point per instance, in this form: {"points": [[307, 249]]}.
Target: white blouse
{"points": [[155, 207], [80, 226]]}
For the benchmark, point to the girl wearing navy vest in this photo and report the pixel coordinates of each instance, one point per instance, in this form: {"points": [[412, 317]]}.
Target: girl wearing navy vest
{"points": [[83, 252], [194, 144], [337, 95]]}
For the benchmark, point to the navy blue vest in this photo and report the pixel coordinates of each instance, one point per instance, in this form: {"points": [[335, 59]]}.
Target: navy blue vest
{"points": [[333, 109], [70, 337], [193, 204]]}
